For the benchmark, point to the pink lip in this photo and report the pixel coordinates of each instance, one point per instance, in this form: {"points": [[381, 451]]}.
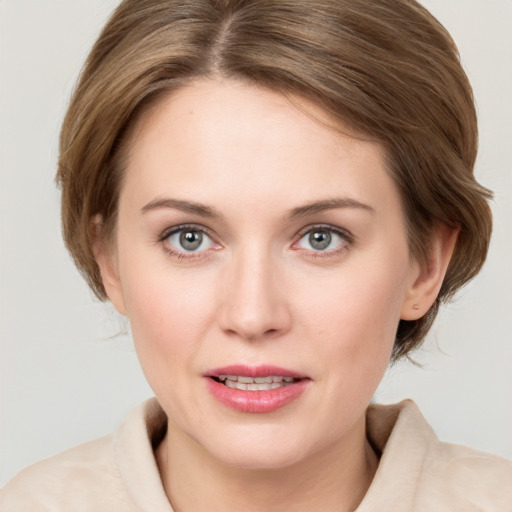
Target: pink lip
{"points": [[256, 401], [254, 371]]}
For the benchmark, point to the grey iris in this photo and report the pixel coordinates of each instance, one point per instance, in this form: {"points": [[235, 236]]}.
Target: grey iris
{"points": [[191, 240], [320, 240]]}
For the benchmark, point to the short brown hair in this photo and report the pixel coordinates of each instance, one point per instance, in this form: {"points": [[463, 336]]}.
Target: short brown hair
{"points": [[386, 68]]}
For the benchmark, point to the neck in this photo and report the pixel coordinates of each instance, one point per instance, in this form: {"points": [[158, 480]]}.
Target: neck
{"points": [[335, 478]]}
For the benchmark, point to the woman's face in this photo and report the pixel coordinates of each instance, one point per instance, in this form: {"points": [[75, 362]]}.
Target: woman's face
{"points": [[254, 241]]}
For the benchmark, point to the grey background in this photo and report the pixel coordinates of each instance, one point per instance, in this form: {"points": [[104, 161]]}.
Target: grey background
{"points": [[67, 378]]}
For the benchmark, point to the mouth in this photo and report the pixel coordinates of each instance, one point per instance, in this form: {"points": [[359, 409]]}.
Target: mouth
{"points": [[256, 389], [255, 383]]}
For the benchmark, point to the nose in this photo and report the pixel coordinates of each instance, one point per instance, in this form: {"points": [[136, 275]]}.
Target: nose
{"points": [[254, 304]]}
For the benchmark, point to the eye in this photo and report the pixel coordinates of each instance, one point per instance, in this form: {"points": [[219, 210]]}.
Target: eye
{"points": [[323, 239], [188, 239]]}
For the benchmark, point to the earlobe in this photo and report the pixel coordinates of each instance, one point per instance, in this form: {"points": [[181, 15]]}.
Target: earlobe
{"points": [[107, 262], [427, 278]]}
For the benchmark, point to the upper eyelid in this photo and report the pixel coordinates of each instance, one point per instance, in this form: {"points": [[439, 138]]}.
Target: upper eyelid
{"points": [[349, 236], [328, 227], [183, 253], [347, 242], [166, 233]]}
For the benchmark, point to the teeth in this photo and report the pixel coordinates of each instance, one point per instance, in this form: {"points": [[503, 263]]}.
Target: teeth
{"points": [[236, 385], [255, 384], [253, 387], [263, 380]]}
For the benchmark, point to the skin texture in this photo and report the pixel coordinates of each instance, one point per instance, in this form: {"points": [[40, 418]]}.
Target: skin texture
{"points": [[257, 292]]}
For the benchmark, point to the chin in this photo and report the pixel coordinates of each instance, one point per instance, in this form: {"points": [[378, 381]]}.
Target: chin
{"points": [[259, 459], [259, 449]]}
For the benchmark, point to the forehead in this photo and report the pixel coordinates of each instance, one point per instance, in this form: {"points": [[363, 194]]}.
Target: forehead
{"points": [[221, 138]]}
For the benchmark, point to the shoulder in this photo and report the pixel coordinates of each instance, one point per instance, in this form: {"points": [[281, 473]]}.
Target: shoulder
{"points": [[419, 472], [115, 472], [464, 475], [77, 478]]}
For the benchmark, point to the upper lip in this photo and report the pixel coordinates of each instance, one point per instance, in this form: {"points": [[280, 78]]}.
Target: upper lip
{"points": [[254, 371]]}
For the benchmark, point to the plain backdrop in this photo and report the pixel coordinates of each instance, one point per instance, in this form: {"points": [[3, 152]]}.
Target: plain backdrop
{"points": [[67, 376]]}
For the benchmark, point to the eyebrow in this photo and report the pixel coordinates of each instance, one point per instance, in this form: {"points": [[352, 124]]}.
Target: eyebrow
{"points": [[184, 206], [328, 204], [211, 213]]}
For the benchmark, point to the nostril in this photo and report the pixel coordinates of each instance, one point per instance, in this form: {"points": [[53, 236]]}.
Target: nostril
{"points": [[253, 311]]}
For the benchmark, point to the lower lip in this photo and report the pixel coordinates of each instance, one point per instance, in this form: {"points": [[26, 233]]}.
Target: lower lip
{"points": [[256, 401]]}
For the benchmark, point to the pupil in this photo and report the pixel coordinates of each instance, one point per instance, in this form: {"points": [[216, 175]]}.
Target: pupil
{"points": [[191, 240], [320, 240]]}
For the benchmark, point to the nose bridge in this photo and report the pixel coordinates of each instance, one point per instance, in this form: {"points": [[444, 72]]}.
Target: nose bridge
{"points": [[254, 305]]}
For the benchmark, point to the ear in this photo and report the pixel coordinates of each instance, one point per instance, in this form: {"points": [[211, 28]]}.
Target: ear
{"points": [[106, 258], [427, 277]]}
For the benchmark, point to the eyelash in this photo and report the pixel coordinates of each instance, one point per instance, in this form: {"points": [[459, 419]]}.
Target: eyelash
{"points": [[346, 236], [184, 255]]}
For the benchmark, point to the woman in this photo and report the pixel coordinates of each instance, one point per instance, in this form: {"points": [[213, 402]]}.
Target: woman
{"points": [[278, 195]]}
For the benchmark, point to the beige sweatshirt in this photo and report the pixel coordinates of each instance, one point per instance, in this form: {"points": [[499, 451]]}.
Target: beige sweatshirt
{"points": [[416, 473]]}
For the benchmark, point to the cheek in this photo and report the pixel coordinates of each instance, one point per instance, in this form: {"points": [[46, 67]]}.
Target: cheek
{"points": [[169, 312], [354, 315]]}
